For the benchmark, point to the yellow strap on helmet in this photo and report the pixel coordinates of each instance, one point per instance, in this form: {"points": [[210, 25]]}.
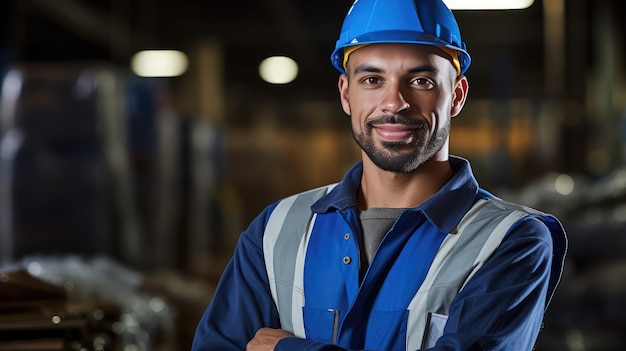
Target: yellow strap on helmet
{"points": [[347, 51], [454, 56]]}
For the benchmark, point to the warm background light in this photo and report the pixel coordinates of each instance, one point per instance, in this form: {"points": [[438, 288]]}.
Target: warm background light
{"points": [[488, 4], [159, 63], [278, 70]]}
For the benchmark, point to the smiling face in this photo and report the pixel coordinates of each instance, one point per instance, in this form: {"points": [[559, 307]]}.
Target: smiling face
{"points": [[401, 98]]}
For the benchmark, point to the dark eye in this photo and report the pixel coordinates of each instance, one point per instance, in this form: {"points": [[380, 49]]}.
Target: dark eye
{"points": [[423, 83], [371, 80]]}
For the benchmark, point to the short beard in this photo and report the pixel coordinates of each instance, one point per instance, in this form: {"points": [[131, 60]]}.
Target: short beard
{"points": [[390, 157]]}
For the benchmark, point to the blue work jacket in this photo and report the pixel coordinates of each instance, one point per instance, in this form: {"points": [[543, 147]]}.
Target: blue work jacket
{"points": [[500, 308]]}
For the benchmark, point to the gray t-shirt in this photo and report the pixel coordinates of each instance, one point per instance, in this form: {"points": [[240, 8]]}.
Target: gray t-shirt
{"points": [[375, 223]]}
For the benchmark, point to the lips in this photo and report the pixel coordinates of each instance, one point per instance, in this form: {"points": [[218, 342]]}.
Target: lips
{"points": [[395, 132], [397, 128]]}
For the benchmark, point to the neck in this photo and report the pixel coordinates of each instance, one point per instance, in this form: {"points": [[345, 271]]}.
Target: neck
{"points": [[381, 188]]}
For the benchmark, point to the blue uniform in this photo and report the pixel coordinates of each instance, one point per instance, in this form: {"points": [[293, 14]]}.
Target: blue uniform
{"points": [[413, 285]]}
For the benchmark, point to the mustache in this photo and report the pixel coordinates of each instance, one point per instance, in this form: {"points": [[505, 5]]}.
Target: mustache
{"points": [[396, 119]]}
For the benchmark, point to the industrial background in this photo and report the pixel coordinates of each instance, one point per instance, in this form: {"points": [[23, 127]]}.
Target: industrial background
{"points": [[121, 197]]}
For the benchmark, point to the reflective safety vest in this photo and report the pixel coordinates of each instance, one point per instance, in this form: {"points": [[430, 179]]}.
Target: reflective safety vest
{"points": [[461, 254]]}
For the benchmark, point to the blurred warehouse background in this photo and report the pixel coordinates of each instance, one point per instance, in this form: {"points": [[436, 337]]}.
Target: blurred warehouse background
{"points": [[122, 196]]}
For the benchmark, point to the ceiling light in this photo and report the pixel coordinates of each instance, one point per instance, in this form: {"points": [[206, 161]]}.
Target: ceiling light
{"points": [[564, 184], [278, 70], [159, 63], [488, 4]]}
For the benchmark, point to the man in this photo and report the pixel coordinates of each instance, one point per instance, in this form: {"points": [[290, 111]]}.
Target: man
{"points": [[406, 252]]}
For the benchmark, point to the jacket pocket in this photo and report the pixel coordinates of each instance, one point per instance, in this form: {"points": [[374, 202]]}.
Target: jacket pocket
{"points": [[434, 329], [321, 325]]}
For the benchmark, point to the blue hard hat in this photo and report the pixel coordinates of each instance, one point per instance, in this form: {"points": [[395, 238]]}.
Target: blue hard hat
{"points": [[428, 22]]}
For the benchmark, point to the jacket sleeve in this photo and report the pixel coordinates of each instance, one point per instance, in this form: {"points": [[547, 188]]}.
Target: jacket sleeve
{"points": [[502, 306], [242, 302]]}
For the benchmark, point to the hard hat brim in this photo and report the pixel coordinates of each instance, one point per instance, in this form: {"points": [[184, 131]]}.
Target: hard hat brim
{"points": [[396, 37]]}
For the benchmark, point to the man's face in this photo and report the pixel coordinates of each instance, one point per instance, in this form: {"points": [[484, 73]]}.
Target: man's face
{"points": [[401, 98]]}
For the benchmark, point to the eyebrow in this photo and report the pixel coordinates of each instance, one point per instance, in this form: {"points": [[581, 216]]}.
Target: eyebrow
{"points": [[365, 68]]}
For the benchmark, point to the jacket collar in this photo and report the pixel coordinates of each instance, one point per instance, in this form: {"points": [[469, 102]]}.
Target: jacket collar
{"points": [[444, 209]]}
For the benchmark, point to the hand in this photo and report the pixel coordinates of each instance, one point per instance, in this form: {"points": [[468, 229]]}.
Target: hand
{"points": [[266, 339]]}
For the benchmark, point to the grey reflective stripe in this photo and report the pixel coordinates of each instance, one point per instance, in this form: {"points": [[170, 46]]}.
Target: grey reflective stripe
{"points": [[480, 239], [284, 247], [478, 235]]}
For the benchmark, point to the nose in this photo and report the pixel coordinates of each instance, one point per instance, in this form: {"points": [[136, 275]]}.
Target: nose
{"points": [[393, 100]]}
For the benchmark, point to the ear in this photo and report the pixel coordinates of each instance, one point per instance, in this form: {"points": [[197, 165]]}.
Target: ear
{"points": [[461, 88], [343, 93]]}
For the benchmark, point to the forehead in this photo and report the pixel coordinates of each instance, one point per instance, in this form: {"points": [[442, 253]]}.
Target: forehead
{"points": [[381, 54]]}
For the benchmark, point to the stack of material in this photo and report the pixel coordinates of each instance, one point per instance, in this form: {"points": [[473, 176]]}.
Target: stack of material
{"points": [[35, 315]]}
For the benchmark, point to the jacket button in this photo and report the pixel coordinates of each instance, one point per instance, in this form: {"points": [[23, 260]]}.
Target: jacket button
{"points": [[346, 236], [347, 260]]}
